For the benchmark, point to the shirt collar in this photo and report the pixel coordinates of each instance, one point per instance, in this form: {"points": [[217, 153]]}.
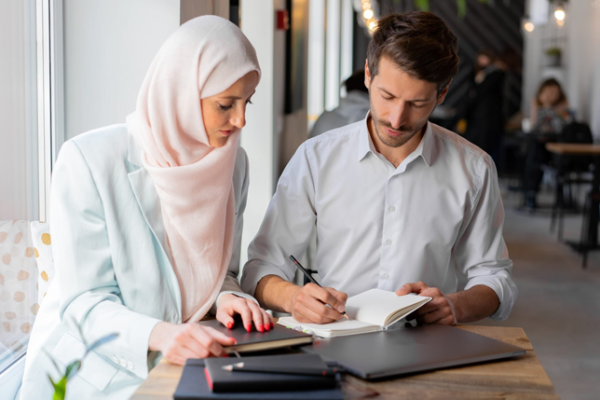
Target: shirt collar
{"points": [[424, 149]]}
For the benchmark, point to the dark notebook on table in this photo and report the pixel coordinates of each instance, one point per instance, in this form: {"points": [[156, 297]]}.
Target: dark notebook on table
{"points": [[257, 341], [194, 386], [221, 380]]}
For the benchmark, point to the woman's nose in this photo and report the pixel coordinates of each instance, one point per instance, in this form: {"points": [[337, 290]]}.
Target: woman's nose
{"points": [[239, 119]]}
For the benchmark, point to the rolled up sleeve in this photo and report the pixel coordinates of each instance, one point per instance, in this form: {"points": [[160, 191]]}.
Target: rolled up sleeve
{"points": [[288, 224], [481, 252]]}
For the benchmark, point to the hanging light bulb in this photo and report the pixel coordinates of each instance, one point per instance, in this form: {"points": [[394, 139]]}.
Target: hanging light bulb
{"points": [[372, 25], [529, 26], [560, 13], [368, 13]]}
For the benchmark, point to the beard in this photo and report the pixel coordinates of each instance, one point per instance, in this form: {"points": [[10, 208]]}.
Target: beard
{"points": [[407, 131]]}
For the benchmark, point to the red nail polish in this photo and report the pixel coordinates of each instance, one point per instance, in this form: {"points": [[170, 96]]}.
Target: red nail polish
{"points": [[261, 328], [229, 325], [226, 355], [268, 327], [272, 326], [248, 327]]}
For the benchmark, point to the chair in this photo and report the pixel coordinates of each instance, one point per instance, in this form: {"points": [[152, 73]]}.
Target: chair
{"points": [[569, 172]]}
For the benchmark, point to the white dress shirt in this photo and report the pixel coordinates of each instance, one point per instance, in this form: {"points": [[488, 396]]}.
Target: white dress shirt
{"points": [[438, 215]]}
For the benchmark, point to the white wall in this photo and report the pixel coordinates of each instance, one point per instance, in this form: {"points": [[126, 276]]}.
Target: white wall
{"points": [[259, 136], [18, 136], [108, 48]]}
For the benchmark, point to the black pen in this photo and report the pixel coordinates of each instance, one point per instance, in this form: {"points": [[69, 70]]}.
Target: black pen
{"points": [[240, 367], [305, 272]]}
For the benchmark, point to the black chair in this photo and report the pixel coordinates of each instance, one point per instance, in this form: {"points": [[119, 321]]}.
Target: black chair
{"points": [[569, 172]]}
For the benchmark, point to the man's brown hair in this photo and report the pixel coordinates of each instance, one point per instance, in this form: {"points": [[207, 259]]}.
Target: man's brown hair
{"points": [[419, 43]]}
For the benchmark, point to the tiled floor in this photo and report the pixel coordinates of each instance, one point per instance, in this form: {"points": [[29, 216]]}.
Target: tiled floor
{"points": [[559, 302]]}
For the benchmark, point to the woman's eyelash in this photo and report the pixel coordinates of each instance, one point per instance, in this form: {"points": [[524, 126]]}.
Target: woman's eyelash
{"points": [[224, 108]]}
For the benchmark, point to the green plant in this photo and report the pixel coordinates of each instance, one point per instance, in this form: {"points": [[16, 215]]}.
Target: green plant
{"points": [[461, 6], [60, 386], [553, 51]]}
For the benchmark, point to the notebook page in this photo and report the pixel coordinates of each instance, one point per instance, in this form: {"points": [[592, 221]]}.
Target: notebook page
{"points": [[375, 305], [337, 328]]}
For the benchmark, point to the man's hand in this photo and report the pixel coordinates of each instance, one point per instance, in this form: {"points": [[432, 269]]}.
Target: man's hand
{"points": [[440, 310], [230, 304], [309, 304]]}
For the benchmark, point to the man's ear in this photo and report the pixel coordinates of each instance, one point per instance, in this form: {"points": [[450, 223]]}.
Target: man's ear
{"points": [[442, 95], [367, 75]]}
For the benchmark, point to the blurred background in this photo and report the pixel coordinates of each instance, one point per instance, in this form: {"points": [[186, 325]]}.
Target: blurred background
{"points": [[529, 80]]}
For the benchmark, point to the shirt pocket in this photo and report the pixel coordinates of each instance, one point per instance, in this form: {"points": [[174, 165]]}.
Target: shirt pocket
{"points": [[95, 370]]}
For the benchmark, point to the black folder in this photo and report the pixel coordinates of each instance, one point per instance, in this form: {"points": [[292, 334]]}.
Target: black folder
{"points": [[234, 381], [253, 341], [193, 386]]}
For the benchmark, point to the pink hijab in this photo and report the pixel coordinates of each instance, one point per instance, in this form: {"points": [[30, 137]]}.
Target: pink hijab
{"points": [[204, 57]]}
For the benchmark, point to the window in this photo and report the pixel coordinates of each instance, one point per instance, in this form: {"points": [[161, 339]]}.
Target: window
{"points": [[25, 162]]}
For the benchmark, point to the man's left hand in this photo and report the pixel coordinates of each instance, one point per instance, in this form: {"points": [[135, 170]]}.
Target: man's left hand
{"points": [[440, 310]]}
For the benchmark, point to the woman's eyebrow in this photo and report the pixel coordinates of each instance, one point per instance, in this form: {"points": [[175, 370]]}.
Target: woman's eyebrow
{"points": [[236, 97]]}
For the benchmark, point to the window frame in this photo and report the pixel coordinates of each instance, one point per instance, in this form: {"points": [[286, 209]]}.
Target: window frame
{"points": [[43, 21]]}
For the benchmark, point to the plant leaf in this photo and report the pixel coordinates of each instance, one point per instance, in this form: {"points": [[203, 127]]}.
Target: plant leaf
{"points": [[53, 363], [461, 8], [72, 369], [60, 389], [103, 340], [422, 5]]}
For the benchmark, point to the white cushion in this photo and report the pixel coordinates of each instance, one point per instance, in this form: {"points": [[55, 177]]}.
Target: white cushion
{"points": [[42, 248]]}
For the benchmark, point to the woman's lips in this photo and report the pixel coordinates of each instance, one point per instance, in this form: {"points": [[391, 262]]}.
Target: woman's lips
{"points": [[226, 133]]}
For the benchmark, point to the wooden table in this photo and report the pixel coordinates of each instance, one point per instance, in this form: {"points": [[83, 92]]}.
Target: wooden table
{"points": [[515, 379], [591, 215]]}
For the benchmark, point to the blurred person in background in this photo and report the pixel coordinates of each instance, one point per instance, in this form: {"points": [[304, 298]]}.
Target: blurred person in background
{"points": [[352, 108], [549, 108], [549, 115], [484, 106]]}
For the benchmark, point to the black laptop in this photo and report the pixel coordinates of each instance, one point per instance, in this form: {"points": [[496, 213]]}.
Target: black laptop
{"points": [[401, 350]]}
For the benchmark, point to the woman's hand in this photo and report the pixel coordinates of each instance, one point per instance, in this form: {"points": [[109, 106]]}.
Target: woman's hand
{"points": [[230, 304], [177, 343]]}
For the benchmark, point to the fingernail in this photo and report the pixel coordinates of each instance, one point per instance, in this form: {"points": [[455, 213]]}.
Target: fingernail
{"points": [[340, 308], [229, 325], [272, 326], [226, 355], [268, 327], [248, 327], [261, 328]]}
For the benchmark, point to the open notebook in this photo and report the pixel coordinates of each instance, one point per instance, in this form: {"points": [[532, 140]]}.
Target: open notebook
{"points": [[371, 311]]}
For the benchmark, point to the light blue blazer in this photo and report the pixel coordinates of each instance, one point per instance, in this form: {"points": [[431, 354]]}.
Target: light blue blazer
{"points": [[113, 269]]}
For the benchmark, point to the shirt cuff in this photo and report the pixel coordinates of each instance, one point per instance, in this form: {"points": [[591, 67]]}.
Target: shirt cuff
{"points": [[254, 272], [238, 294], [505, 289]]}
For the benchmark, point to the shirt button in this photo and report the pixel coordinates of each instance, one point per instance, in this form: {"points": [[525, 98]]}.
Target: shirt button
{"points": [[123, 363], [388, 242], [384, 276], [130, 365], [115, 360], [392, 208]]}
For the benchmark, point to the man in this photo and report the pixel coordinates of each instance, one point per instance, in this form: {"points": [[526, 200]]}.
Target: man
{"points": [[398, 203]]}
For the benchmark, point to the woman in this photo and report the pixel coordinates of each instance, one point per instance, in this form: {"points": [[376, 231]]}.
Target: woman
{"points": [[146, 223], [549, 109], [549, 115]]}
